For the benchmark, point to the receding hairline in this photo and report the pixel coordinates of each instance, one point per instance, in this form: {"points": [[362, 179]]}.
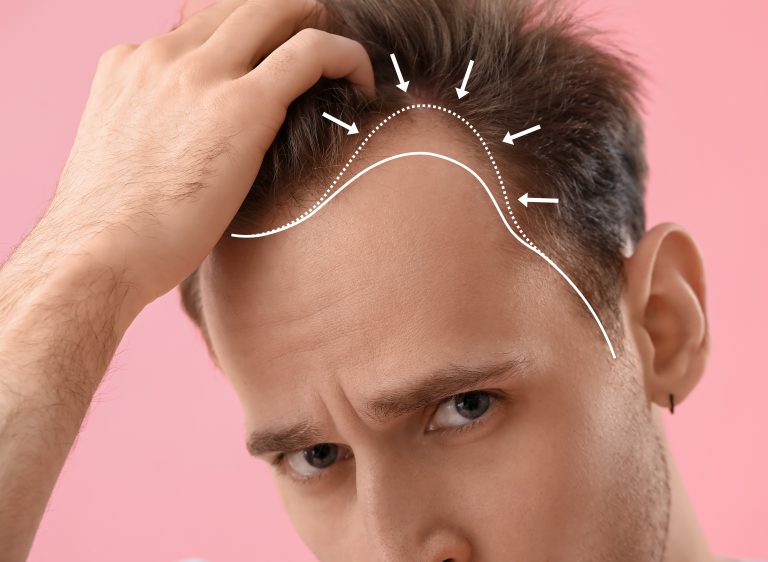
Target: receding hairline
{"points": [[531, 58], [386, 142], [386, 149]]}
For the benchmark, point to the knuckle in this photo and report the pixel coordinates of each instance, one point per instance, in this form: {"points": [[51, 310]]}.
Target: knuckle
{"points": [[305, 41], [188, 74], [117, 52], [309, 37], [280, 61], [155, 50]]}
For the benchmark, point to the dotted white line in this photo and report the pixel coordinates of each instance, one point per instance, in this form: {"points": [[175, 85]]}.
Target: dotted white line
{"points": [[523, 240], [373, 132]]}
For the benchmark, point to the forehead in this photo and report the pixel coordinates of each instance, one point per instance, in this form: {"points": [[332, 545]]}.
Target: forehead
{"points": [[410, 267]]}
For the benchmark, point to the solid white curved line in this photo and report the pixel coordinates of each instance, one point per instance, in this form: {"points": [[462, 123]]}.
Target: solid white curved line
{"points": [[493, 200]]}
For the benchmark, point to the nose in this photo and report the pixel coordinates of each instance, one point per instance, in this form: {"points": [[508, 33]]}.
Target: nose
{"points": [[406, 516]]}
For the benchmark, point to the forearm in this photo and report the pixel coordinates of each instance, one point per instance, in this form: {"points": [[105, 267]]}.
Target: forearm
{"points": [[61, 320]]}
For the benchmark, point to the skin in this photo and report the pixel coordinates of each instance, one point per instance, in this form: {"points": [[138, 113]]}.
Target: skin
{"points": [[398, 277], [398, 289], [169, 141]]}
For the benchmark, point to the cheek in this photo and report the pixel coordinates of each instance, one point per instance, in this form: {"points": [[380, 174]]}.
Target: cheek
{"points": [[530, 491], [544, 484], [321, 517], [594, 450], [303, 518]]}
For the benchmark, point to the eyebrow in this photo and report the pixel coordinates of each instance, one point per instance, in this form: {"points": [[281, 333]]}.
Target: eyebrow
{"points": [[426, 389]]}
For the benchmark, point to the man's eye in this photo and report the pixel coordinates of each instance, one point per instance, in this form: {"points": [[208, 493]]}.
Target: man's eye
{"points": [[461, 410], [308, 463]]}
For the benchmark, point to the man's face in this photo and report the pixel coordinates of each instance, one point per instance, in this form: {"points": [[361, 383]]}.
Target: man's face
{"points": [[433, 390]]}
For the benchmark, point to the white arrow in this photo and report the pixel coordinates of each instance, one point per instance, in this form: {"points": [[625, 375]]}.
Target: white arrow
{"points": [[351, 128], [403, 85], [525, 199], [510, 137], [463, 90]]}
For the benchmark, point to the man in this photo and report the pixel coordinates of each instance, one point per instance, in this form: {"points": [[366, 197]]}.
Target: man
{"points": [[427, 386]]}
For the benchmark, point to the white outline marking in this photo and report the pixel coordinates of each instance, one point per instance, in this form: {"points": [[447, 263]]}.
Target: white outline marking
{"points": [[403, 85], [323, 200], [351, 129], [462, 91], [509, 138], [524, 199], [487, 190]]}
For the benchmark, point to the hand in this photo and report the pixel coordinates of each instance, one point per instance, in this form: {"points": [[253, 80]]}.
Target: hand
{"points": [[175, 130]]}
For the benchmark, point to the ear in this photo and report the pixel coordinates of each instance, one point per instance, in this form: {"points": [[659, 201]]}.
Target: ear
{"points": [[664, 296]]}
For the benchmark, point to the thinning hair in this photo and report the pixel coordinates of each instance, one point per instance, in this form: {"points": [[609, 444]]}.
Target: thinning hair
{"points": [[535, 63]]}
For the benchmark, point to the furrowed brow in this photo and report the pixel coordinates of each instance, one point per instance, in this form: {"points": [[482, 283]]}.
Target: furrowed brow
{"points": [[440, 384], [426, 389], [292, 438]]}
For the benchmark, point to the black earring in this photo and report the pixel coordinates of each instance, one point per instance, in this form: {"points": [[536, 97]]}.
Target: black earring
{"points": [[671, 403]]}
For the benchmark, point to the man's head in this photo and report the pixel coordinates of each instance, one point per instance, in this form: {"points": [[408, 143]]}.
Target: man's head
{"points": [[429, 388]]}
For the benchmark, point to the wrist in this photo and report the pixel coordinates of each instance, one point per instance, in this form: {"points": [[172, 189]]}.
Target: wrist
{"points": [[42, 275]]}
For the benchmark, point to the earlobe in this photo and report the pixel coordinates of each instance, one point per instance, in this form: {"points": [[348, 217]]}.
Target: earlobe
{"points": [[664, 296]]}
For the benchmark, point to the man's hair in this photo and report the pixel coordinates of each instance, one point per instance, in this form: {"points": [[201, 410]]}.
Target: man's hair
{"points": [[535, 63]]}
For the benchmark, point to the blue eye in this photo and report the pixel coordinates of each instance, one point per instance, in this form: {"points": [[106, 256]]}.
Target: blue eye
{"points": [[472, 405], [461, 409], [312, 462], [322, 455]]}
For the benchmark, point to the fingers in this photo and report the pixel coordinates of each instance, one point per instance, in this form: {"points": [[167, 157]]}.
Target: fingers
{"points": [[298, 64], [256, 28], [195, 29], [191, 7]]}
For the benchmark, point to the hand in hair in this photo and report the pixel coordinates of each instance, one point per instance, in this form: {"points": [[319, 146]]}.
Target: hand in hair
{"points": [[175, 130], [172, 137]]}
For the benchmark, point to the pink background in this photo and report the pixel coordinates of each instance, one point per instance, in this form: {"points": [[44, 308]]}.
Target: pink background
{"points": [[160, 472]]}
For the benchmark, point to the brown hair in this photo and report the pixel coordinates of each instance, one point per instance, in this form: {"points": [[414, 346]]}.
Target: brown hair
{"points": [[535, 63]]}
